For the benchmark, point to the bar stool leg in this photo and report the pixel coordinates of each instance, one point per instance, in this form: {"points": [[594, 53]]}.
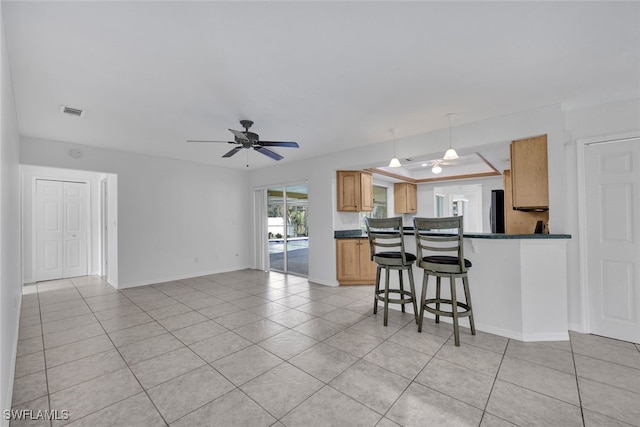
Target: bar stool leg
{"points": [[423, 297], [437, 298], [386, 295], [454, 310], [401, 288], [413, 294], [467, 295], [377, 289]]}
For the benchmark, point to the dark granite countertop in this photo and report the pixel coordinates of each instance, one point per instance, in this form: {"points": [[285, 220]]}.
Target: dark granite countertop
{"points": [[358, 233]]}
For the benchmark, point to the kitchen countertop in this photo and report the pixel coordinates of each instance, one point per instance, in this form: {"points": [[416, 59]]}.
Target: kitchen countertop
{"points": [[359, 233]]}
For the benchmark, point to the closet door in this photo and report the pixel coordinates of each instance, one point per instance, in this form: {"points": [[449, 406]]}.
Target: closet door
{"points": [[61, 229]]}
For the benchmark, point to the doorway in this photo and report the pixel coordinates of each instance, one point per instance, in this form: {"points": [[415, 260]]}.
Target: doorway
{"points": [[287, 228], [460, 200], [61, 229], [612, 262]]}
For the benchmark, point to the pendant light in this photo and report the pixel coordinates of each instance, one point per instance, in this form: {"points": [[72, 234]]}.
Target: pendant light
{"points": [[394, 163], [451, 153]]}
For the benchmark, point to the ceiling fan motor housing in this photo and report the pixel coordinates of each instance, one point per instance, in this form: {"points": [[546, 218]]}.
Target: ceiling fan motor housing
{"points": [[246, 124]]}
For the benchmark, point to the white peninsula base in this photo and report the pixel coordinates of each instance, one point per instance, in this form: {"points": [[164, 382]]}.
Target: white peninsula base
{"points": [[519, 287]]}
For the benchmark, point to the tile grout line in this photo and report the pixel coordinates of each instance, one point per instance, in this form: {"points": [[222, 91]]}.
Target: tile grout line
{"points": [[575, 369], [46, 377], [495, 379]]}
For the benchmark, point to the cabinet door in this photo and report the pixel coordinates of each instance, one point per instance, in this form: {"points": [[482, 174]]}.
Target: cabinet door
{"points": [[367, 267], [529, 173], [412, 198], [405, 198], [518, 222], [366, 191], [348, 259], [348, 188]]}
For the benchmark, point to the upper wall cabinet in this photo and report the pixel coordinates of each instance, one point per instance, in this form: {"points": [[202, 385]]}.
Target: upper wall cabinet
{"points": [[529, 173], [405, 198], [355, 191]]}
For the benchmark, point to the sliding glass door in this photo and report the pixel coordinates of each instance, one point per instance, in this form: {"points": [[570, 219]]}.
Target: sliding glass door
{"points": [[287, 229]]}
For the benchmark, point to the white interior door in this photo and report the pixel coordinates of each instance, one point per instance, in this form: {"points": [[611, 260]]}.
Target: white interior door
{"points": [[61, 229], [613, 238]]}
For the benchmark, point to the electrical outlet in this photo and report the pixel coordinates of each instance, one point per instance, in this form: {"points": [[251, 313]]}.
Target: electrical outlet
{"points": [[196, 260]]}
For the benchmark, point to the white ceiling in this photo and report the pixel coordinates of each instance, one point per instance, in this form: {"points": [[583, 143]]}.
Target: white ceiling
{"points": [[330, 75]]}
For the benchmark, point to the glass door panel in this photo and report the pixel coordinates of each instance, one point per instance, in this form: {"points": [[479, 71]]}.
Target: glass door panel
{"points": [[276, 228], [297, 237], [287, 229]]}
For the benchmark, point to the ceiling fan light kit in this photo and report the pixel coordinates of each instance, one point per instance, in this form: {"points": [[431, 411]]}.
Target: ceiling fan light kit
{"points": [[246, 140], [436, 169]]}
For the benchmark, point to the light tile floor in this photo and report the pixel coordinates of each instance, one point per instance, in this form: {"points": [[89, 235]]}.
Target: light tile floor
{"points": [[249, 348]]}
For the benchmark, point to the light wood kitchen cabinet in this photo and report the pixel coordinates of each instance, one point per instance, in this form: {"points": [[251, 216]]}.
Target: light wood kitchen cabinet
{"points": [[529, 173], [353, 261], [515, 221], [355, 191], [405, 198]]}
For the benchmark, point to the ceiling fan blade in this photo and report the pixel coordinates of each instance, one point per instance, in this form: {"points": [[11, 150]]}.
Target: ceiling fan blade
{"points": [[223, 142], [240, 135], [268, 153], [279, 144], [233, 151]]}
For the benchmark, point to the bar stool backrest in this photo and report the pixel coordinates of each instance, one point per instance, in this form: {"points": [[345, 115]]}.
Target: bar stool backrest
{"points": [[444, 237], [386, 236]]}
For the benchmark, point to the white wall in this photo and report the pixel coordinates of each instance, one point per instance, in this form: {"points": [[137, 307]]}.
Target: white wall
{"points": [[176, 219], [10, 280], [320, 173], [29, 175]]}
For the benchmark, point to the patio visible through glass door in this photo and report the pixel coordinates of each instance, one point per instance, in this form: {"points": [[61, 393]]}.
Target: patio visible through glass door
{"points": [[287, 229]]}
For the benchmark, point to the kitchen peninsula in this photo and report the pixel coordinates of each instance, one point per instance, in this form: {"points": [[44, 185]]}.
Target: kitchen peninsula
{"points": [[518, 282]]}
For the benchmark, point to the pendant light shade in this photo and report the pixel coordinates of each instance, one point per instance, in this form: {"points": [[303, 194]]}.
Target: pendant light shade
{"points": [[450, 153], [394, 163]]}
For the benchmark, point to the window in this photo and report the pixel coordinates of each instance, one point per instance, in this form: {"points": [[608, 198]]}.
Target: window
{"points": [[379, 205]]}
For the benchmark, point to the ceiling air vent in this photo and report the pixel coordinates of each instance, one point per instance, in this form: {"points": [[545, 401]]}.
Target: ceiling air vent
{"points": [[76, 112]]}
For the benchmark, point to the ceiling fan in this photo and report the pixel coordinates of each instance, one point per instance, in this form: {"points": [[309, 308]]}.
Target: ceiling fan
{"points": [[247, 140]]}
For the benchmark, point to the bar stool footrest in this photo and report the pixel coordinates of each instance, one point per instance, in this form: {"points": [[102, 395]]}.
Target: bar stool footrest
{"points": [[407, 294], [466, 312]]}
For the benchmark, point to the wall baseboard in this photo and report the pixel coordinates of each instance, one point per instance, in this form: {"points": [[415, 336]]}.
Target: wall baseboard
{"points": [[323, 282], [578, 327], [179, 277]]}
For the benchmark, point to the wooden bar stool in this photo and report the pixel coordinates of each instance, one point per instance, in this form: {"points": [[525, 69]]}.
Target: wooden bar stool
{"points": [[386, 243], [441, 235]]}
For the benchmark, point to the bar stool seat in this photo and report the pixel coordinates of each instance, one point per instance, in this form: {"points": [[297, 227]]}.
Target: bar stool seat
{"points": [[445, 259], [443, 235], [387, 234]]}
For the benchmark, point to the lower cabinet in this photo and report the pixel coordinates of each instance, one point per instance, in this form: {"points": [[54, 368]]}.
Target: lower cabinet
{"points": [[354, 263]]}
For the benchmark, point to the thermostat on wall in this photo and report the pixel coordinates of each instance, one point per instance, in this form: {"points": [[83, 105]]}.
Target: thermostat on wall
{"points": [[76, 154]]}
